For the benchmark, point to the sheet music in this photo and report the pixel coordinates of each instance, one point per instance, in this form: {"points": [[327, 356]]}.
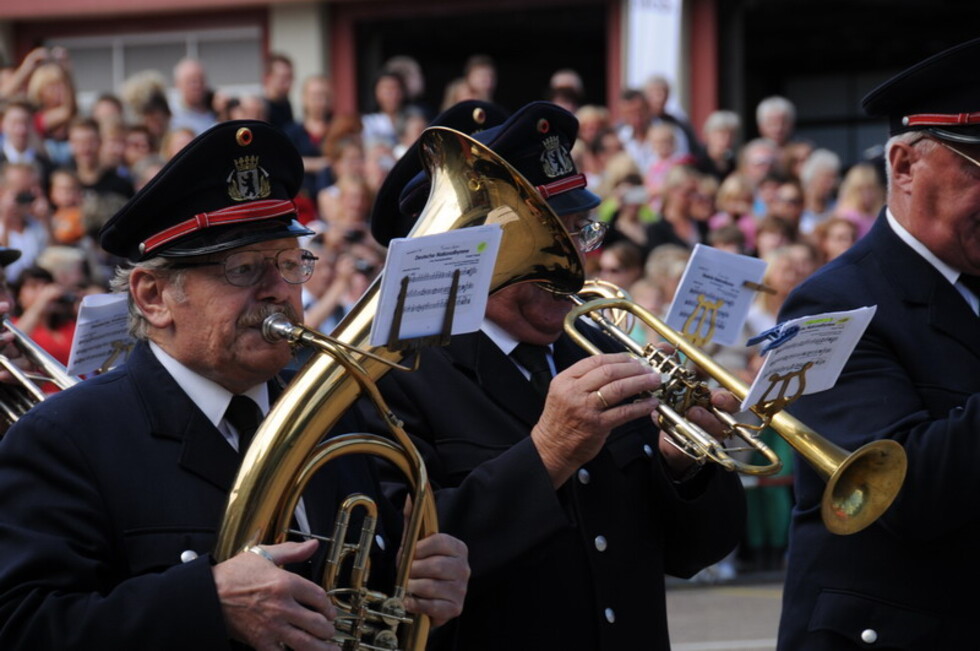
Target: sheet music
{"points": [[713, 275], [101, 334], [826, 341], [429, 264]]}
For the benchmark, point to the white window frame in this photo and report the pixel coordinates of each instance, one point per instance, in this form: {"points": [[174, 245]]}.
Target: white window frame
{"points": [[191, 39]]}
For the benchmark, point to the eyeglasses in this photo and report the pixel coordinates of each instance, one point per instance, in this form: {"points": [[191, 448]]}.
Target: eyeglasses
{"points": [[589, 235], [245, 268], [959, 153]]}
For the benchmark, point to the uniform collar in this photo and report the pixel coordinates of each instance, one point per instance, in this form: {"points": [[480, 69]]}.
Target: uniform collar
{"points": [[944, 269], [949, 273], [503, 339], [209, 396]]}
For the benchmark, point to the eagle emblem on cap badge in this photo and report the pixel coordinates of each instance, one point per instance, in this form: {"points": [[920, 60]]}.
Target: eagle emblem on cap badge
{"points": [[555, 159], [248, 181]]}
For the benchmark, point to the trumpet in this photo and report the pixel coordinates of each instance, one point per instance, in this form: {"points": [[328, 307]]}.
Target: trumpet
{"points": [[861, 485], [28, 390]]}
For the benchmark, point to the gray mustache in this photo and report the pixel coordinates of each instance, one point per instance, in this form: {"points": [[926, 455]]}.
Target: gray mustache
{"points": [[255, 317]]}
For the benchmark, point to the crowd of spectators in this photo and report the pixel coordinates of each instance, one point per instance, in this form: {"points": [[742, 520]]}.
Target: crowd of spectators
{"points": [[666, 185]]}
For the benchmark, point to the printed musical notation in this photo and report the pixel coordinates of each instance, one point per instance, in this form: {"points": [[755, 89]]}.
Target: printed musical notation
{"points": [[436, 305], [102, 340], [429, 264], [442, 275], [821, 343], [464, 288], [717, 279]]}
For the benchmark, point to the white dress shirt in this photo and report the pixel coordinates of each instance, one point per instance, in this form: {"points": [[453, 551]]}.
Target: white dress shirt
{"points": [[947, 272]]}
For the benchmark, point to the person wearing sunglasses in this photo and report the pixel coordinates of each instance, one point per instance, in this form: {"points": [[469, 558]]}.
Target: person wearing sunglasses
{"points": [[914, 378], [112, 493]]}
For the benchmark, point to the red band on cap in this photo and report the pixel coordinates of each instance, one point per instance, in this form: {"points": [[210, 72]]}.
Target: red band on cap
{"points": [[247, 212], [573, 182], [940, 119]]}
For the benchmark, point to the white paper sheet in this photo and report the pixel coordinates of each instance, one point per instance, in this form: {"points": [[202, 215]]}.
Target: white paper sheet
{"points": [[429, 263], [826, 341], [715, 277], [101, 334]]}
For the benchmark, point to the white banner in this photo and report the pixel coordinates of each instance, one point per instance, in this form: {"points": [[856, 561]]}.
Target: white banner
{"points": [[653, 42]]}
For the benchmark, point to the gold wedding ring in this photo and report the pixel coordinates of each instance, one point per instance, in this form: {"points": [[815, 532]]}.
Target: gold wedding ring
{"points": [[605, 405]]}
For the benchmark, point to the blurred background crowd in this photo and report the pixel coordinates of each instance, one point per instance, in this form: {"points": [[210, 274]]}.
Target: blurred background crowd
{"points": [[742, 183]]}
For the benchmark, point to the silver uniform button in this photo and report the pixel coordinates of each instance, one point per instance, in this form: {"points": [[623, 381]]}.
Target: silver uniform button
{"points": [[610, 615], [381, 541], [600, 543], [583, 476], [187, 555], [647, 450], [869, 636]]}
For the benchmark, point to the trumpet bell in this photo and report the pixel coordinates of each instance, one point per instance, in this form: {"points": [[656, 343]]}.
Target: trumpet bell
{"points": [[860, 485], [863, 486]]}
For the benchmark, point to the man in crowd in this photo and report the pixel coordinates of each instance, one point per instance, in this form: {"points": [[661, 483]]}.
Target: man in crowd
{"points": [[16, 128], [657, 93], [277, 82], [192, 109], [112, 492], [571, 504], [914, 378]]}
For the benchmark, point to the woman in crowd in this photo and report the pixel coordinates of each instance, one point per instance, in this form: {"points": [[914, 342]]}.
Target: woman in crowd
{"points": [[862, 194], [773, 232], [310, 135], [621, 263], [384, 124], [678, 223], [819, 175], [720, 132], [46, 311], [733, 202], [626, 207], [52, 91], [833, 237]]}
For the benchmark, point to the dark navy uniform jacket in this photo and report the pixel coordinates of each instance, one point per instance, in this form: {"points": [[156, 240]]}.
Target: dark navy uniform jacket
{"points": [[915, 378], [578, 568], [103, 488]]}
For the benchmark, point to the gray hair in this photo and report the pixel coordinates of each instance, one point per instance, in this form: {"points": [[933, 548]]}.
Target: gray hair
{"points": [[719, 120], [775, 104], [925, 144], [138, 326], [819, 159]]}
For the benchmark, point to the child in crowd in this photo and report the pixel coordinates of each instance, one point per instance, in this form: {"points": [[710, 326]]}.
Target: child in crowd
{"points": [[65, 194]]}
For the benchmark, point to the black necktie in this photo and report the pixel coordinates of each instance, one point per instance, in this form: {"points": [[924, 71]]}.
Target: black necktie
{"points": [[535, 360], [245, 416]]}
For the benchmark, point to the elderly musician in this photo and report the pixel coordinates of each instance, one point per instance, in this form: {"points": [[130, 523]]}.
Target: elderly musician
{"points": [[914, 378], [111, 492], [545, 462]]}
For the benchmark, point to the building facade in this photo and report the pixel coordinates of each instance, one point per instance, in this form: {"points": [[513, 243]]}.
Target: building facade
{"points": [[823, 55]]}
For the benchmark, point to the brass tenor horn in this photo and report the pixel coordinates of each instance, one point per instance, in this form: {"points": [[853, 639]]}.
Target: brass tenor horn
{"points": [[28, 390], [471, 186], [861, 485]]}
